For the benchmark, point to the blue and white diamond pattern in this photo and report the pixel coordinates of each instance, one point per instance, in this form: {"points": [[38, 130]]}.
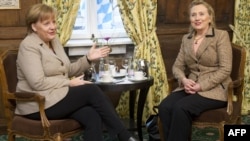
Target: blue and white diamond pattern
{"points": [[104, 14]]}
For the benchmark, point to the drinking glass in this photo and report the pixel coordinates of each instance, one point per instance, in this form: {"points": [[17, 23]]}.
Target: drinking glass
{"points": [[125, 64], [112, 66], [112, 62]]}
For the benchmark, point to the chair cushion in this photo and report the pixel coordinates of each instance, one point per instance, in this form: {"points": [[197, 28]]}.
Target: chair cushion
{"points": [[218, 115], [34, 127]]}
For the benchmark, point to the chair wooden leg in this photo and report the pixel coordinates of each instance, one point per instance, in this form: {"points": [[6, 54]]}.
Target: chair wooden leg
{"points": [[221, 131], [190, 136], [11, 137], [160, 129], [221, 134], [58, 137], [239, 120]]}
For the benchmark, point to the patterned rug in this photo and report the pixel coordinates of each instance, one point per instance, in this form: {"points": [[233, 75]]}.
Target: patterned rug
{"points": [[198, 134]]}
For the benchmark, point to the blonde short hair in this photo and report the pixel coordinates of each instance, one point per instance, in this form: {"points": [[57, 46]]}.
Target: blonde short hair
{"points": [[38, 12]]}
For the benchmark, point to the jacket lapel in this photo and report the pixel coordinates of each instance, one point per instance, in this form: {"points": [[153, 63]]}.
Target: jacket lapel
{"points": [[205, 43], [42, 44], [190, 45]]}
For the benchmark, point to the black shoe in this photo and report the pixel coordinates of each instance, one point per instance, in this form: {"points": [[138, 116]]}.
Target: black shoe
{"points": [[132, 139]]}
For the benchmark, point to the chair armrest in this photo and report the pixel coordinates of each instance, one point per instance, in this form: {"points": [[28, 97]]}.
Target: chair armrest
{"points": [[237, 83], [41, 104], [230, 98], [232, 85], [171, 82]]}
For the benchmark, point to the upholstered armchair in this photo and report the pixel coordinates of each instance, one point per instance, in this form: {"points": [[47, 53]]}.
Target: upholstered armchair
{"points": [[44, 129], [231, 114]]}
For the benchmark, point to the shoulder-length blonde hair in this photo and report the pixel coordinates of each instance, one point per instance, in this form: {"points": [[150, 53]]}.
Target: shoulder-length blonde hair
{"points": [[38, 12], [210, 11]]}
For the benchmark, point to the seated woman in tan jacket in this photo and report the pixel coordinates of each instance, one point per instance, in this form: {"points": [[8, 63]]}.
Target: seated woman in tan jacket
{"points": [[44, 68], [207, 53]]}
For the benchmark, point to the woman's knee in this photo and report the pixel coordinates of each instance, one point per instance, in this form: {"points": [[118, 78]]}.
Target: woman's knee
{"points": [[164, 107], [165, 104], [93, 90], [88, 116], [182, 109]]}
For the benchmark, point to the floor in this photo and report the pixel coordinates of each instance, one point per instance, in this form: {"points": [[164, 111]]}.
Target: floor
{"points": [[198, 134]]}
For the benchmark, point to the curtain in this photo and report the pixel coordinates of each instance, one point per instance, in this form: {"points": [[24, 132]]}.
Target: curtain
{"points": [[241, 36], [139, 19], [67, 12]]}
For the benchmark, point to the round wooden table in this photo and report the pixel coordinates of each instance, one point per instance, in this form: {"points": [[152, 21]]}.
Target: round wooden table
{"points": [[132, 86]]}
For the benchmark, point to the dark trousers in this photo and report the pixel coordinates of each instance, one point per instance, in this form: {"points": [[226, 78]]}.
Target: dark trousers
{"points": [[89, 106], [178, 109]]}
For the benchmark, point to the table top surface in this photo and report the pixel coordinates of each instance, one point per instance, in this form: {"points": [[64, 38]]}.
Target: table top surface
{"points": [[126, 84], [125, 81]]}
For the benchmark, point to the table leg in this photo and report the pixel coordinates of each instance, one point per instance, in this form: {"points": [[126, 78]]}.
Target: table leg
{"points": [[141, 102], [132, 96]]}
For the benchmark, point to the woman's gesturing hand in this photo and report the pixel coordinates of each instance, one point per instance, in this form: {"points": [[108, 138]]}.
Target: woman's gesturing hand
{"points": [[96, 53]]}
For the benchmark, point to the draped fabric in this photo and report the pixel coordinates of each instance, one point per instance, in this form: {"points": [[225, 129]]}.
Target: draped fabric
{"points": [[139, 19], [67, 12], [241, 37]]}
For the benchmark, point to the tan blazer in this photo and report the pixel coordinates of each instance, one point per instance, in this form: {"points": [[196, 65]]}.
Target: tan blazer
{"points": [[39, 70], [210, 67]]}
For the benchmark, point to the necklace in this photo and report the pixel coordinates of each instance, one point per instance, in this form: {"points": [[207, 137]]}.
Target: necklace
{"points": [[197, 39]]}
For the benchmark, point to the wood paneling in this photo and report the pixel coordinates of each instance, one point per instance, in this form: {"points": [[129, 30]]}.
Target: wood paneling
{"points": [[176, 11], [12, 23], [12, 32], [16, 17], [10, 19]]}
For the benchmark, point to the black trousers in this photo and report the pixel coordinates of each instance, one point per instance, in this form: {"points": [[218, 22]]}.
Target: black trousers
{"points": [[178, 109], [89, 106]]}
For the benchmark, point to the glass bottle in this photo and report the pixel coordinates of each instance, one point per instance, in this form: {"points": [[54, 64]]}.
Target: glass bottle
{"points": [[93, 76], [101, 67], [130, 67]]}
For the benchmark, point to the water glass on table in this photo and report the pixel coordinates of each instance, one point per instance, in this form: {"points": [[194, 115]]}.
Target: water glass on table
{"points": [[112, 66]]}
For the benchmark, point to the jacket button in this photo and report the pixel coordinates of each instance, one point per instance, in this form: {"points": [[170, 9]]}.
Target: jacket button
{"points": [[63, 73], [62, 64]]}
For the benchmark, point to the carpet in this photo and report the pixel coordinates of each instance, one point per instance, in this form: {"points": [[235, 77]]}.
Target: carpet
{"points": [[198, 134]]}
